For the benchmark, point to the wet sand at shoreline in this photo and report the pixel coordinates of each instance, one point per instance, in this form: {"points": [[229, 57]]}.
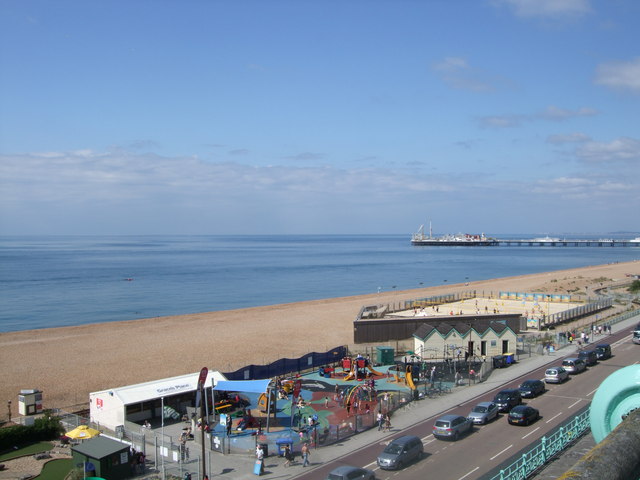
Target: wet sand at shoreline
{"points": [[67, 363]]}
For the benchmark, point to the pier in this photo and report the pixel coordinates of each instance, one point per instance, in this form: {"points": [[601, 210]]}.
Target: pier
{"points": [[569, 243]]}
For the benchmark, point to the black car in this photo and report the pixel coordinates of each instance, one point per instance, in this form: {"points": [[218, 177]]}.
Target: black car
{"points": [[523, 415], [590, 357], [531, 388], [507, 399], [603, 351]]}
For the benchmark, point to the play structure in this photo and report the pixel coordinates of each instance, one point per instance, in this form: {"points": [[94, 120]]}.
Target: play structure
{"points": [[405, 370], [358, 368]]}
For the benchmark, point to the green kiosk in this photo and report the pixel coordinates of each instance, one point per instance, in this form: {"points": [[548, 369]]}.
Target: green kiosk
{"points": [[109, 458]]}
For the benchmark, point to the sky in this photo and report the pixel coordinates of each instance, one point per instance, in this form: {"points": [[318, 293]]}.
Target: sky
{"points": [[319, 117]]}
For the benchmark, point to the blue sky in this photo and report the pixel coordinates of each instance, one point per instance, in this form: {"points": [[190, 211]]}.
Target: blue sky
{"points": [[326, 116]]}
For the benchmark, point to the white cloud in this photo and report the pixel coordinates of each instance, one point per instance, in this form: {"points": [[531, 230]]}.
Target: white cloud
{"points": [[305, 156], [552, 9], [458, 74], [551, 113], [583, 187], [560, 139], [620, 75], [620, 149], [500, 121], [555, 113]]}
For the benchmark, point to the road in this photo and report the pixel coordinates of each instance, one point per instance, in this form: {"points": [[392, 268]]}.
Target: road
{"points": [[477, 455]]}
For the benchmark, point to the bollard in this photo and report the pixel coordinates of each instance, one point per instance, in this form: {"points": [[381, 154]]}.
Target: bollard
{"points": [[617, 457]]}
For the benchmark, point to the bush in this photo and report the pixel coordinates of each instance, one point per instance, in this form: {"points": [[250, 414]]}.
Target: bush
{"points": [[635, 286], [45, 428]]}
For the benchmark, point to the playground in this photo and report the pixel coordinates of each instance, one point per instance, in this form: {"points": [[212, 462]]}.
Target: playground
{"points": [[322, 407]]}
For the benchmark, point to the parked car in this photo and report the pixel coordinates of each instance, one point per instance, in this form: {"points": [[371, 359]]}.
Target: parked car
{"points": [[590, 357], [507, 399], [555, 375], [400, 452], [574, 365], [531, 388], [346, 472], [483, 413], [636, 337], [452, 426], [523, 415], [603, 351]]}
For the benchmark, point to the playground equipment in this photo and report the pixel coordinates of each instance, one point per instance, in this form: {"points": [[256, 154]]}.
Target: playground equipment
{"points": [[263, 401], [356, 368], [364, 392], [406, 369], [409, 378]]}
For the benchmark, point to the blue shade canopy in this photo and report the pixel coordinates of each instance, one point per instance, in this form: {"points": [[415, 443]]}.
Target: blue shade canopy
{"points": [[249, 386]]}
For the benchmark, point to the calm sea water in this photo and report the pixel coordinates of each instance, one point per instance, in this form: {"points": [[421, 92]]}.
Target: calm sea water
{"points": [[58, 281]]}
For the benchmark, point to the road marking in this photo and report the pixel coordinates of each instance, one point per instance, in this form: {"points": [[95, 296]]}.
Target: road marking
{"points": [[372, 463], [500, 453], [591, 392], [532, 431], [561, 396], [466, 475], [555, 416], [575, 403]]}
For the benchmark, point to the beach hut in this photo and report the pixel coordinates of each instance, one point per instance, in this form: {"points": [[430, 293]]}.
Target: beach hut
{"points": [[109, 458]]}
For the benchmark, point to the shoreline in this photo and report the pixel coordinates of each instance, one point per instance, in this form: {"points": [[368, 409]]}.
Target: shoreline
{"points": [[69, 362]]}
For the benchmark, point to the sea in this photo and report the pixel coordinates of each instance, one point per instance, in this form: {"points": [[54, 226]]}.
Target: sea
{"points": [[54, 281]]}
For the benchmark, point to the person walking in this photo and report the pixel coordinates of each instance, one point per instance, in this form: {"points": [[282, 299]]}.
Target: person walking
{"points": [[387, 423], [305, 454], [260, 457], [287, 455], [380, 419]]}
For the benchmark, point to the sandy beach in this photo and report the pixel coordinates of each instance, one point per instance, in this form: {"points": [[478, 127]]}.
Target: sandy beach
{"points": [[69, 362]]}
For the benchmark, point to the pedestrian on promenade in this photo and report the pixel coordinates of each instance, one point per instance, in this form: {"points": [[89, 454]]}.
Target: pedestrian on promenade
{"points": [[287, 455], [380, 419], [348, 407], [387, 423], [305, 454], [260, 457]]}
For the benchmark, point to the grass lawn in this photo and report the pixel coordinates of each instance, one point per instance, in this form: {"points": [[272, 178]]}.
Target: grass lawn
{"points": [[56, 469], [30, 449]]}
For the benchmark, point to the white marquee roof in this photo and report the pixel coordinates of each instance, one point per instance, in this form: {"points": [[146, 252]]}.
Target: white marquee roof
{"points": [[166, 387]]}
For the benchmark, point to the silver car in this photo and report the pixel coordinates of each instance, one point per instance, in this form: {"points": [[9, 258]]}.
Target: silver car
{"points": [[452, 426], [555, 375], [574, 365], [400, 452], [483, 413]]}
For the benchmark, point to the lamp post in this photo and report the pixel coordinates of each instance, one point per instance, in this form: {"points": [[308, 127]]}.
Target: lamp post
{"points": [[162, 434]]}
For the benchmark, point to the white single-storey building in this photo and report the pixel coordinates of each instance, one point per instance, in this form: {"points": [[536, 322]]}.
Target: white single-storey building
{"points": [[477, 338], [144, 401]]}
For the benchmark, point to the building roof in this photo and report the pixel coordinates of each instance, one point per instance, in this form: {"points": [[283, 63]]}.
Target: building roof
{"points": [[99, 447], [479, 327], [142, 392]]}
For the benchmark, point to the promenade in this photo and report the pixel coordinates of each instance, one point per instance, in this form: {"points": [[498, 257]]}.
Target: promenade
{"points": [[241, 466]]}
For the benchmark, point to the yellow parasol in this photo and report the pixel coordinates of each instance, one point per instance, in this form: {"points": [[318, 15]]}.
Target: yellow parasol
{"points": [[82, 432]]}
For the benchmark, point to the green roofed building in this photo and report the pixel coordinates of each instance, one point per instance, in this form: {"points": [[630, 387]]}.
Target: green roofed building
{"points": [[110, 458]]}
